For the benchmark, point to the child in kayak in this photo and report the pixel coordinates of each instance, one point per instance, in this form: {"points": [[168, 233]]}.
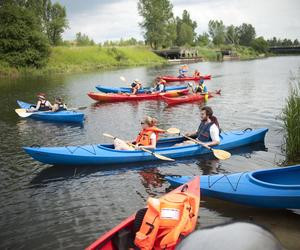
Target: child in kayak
{"points": [[201, 88], [159, 86], [147, 138], [59, 105], [183, 69], [135, 86], [42, 104]]}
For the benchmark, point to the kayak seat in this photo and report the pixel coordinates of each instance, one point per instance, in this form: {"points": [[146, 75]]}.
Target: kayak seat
{"points": [[279, 177], [123, 240]]}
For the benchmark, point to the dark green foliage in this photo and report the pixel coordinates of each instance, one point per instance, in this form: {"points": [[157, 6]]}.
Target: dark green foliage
{"points": [[157, 19], [246, 33], [186, 34], [203, 40], [216, 29], [291, 119], [83, 40], [22, 42], [260, 45], [232, 35]]}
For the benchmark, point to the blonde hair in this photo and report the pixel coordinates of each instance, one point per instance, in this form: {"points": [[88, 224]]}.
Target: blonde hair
{"points": [[150, 121]]}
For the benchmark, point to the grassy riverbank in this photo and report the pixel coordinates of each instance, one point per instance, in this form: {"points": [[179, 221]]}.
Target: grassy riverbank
{"points": [[91, 58], [214, 54]]}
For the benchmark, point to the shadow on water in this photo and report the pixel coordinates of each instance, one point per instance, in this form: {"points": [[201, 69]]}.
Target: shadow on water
{"points": [[206, 163]]}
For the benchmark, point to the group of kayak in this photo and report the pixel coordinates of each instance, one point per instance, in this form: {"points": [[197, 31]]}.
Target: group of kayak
{"points": [[167, 222]]}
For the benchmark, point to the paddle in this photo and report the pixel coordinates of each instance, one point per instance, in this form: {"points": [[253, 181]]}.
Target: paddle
{"points": [[23, 112], [218, 153], [161, 157]]}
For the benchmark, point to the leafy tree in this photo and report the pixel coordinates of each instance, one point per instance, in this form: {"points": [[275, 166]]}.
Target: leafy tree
{"points": [[22, 42], [260, 45], [55, 22], [157, 17], [246, 34], [83, 40], [216, 30], [185, 29], [296, 42], [287, 42], [232, 35], [203, 40], [273, 41]]}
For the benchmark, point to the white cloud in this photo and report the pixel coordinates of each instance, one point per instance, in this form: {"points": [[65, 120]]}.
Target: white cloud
{"points": [[110, 20]]}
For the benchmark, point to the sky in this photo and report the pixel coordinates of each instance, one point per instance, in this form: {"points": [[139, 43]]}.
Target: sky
{"points": [[105, 20]]}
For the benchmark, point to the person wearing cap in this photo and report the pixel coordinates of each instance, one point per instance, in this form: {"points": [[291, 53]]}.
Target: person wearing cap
{"points": [[135, 86], [59, 105], [42, 104], [147, 138], [201, 88]]}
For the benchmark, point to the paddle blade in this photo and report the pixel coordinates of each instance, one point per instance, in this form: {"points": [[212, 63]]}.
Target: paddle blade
{"points": [[123, 78], [108, 135], [163, 158], [221, 154], [23, 113], [173, 131]]}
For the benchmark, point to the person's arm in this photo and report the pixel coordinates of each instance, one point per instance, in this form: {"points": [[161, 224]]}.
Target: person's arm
{"points": [[49, 105], [214, 134], [37, 107], [153, 142], [192, 135], [54, 107]]}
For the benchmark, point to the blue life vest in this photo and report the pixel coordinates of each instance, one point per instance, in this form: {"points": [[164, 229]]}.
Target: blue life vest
{"points": [[203, 132]]}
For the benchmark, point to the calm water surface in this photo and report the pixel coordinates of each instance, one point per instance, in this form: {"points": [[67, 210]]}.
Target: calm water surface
{"points": [[50, 207]]}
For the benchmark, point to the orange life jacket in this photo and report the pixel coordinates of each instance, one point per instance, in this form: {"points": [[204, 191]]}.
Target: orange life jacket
{"points": [[143, 137], [166, 220]]}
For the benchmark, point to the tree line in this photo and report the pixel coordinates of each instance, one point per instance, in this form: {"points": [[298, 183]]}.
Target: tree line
{"points": [[162, 30], [28, 28]]}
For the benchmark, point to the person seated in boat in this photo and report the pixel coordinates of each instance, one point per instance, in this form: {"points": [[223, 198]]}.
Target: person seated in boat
{"points": [[201, 88], [159, 86], [209, 129], [136, 86], [42, 104], [181, 73], [59, 105], [196, 73], [147, 138]]}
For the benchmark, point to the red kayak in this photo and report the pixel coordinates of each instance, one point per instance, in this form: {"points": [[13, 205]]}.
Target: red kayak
{"points": [[188, 78], [189, 98], [111, 97], [122, 236]]}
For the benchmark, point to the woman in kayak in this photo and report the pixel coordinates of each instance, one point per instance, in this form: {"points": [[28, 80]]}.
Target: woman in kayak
{"points": [[201, 88], [135, 86], [59, 105], [147, 138], [42, 104], [209, 129], [196, 73]]}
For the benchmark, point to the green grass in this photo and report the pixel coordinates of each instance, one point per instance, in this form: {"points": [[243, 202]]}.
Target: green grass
{"points": [[291, 119], [90, 58]]}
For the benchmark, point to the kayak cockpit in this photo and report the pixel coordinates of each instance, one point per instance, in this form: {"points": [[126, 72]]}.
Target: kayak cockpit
{"points": [[284, 177]]}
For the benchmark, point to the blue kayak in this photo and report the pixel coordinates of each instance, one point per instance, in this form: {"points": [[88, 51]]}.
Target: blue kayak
{"points": [[106, 89], [59, 116], [104, 154], [270, 188]]}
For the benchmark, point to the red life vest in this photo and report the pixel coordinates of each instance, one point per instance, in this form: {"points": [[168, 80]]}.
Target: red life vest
{"points": [[143, 137]]}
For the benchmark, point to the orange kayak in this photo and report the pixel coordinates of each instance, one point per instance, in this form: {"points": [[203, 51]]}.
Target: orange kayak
{"points": [[122, 236], [189, 98], [111, 97]]}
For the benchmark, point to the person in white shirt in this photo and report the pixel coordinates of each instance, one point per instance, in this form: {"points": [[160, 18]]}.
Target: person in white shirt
{"points": [[208, 132]]}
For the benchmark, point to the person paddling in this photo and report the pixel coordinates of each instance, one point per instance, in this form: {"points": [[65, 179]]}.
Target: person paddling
{"points": [[159, 86], [59, 105], [42, 104], [196, 73], [147, 138], [201, 88], [209, 129], [136, 86]]}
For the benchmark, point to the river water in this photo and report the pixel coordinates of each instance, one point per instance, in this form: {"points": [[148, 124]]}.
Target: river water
{"points": [[50, 207]]}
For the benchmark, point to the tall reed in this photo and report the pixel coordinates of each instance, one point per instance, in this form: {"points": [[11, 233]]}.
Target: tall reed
{"points": [[291, 119]]}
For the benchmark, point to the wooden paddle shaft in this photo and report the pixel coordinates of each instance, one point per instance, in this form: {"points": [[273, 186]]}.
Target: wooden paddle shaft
{"points": [[198, 142]]}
